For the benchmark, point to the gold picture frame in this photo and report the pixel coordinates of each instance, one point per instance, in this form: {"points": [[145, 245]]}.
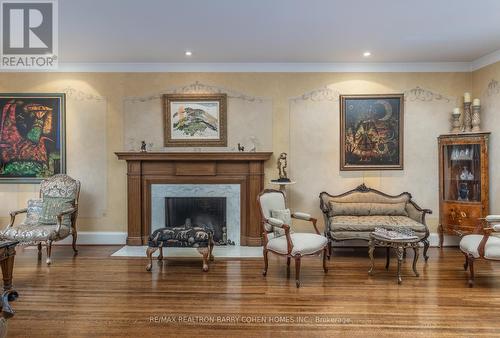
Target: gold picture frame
{"points": [[371, 132], [195, 120]]}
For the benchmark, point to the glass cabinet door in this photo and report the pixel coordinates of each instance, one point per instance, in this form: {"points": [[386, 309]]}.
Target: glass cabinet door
{"points": [[462, 173]]}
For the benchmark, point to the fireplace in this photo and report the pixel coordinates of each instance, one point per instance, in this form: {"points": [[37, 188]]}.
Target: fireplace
{"points": [[205, 212], [152, 176]]}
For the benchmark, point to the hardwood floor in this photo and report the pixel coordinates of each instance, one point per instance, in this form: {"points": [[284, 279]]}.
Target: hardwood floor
{"points": [[94, 295]]}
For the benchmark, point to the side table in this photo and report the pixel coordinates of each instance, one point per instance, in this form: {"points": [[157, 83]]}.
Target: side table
{"points": [[399, 245], [7, 254]]}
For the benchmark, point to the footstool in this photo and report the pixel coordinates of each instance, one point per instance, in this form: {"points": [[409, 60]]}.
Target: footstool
{"points": [[185, 236]]}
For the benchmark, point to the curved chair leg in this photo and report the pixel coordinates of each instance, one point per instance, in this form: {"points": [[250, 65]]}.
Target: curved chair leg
{"points": [[297, 270], [160, 256], [75, 236], [470, 259], [325, 255], [466, 263], [387, 257], [288, 259], [264, 272], [212, 244], [329, 249], [39, 251], [149, 253], [426, 247], [49, 251]]}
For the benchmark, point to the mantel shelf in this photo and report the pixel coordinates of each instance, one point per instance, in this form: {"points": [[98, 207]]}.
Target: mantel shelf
{"points": [[194, 156]]}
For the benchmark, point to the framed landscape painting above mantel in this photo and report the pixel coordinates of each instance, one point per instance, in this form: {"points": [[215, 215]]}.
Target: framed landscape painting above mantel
{"points": [[195, 120], [32, 137], [371, 132]]}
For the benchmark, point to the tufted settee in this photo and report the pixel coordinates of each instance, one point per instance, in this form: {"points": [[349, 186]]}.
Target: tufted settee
{"points": [[356, 213]]}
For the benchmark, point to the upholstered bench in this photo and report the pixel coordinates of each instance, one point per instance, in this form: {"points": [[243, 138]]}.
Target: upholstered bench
{"points": [[356, 213], [185, 236]]}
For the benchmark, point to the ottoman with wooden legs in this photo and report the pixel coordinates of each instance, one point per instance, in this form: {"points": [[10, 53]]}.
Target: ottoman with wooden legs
{"points": [[185, 236]]}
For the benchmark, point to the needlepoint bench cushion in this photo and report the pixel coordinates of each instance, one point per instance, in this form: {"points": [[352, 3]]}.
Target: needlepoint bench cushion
{"points": [[180, 237]]}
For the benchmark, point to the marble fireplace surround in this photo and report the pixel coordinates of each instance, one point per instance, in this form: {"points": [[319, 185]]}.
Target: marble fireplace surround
{"points": [[147, 169], [230, 191]]}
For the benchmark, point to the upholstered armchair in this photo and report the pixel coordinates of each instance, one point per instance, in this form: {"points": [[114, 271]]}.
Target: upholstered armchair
{"points": [[278, 237], [483, 243], [50, 218]]}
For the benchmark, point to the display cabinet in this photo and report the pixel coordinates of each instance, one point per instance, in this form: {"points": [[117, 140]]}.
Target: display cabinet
{"points": [[463, 182]]}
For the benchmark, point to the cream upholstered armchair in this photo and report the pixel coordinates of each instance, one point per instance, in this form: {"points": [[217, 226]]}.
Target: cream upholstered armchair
{"points": [[48, 219], [278, 237], [483, 243]]}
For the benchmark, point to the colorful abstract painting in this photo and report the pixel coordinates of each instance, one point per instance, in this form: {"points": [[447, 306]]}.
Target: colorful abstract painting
{"points": [[371, 132], [195, 120], [32, 137]]}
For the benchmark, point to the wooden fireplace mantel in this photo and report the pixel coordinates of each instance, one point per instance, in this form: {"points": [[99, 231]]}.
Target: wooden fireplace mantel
{"points": [[147, 168]]}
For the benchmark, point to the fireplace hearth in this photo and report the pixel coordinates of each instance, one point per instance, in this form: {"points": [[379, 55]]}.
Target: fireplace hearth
{"points": [[205, 212]]}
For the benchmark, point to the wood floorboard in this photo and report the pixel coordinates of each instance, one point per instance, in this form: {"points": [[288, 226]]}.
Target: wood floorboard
{"points": [[95, 295]]}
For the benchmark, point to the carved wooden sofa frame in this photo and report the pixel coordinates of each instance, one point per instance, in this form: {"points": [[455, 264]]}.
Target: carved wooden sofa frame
{"points": [[414, 212]]}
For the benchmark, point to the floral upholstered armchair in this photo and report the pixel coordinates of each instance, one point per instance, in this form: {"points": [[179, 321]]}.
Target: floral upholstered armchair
{"points": [[48, 219]]}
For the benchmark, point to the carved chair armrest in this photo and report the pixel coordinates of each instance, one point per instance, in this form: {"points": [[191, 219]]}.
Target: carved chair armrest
{"points": [[306, 217], [60, 216], [13, 215], [280, 224], [487, 232], [480, 226]]}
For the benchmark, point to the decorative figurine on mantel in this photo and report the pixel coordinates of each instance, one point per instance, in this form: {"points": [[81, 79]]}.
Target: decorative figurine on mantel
{"points": [[283, 179], [240, 147], [143, 147]]}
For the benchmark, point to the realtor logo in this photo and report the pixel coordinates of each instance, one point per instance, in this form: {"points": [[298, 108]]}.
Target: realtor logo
{"points": [[29, 34]]}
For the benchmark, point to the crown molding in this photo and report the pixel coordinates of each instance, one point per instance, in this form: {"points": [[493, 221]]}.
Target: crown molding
{"points": [[339, 67], [272, 67], [485, 60]]}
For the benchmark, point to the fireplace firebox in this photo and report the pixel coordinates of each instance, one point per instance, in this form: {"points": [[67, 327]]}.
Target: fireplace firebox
{"points": [[205, 212]]}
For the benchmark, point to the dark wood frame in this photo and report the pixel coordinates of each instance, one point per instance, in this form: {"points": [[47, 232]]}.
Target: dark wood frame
{"points": [[286, 227], [465, 225], [146, 168], [62, 132], [349, 167], [364, 189], [167, 120]]}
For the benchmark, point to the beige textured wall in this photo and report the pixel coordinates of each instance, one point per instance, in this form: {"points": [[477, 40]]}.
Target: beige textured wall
{"points": [[279, 88], [486, 86]]}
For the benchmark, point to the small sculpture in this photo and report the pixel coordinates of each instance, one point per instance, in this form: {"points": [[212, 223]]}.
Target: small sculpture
{"points": [[240, 147], [281, 165], [253, 141], [143, 146]]}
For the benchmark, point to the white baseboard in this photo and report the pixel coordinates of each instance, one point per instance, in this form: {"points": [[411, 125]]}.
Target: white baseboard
{"points": [[97, 238]]}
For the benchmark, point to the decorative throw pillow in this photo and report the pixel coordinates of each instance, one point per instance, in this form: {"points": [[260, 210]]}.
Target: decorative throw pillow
{"points": [[52, 206], [388, 209], [283, 215], [349, 209], [34, 211]]}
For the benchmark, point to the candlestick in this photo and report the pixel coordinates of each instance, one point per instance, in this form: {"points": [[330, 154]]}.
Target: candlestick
{"points": [[466, 97], [476, 117], [467, 118], [455, 121]]}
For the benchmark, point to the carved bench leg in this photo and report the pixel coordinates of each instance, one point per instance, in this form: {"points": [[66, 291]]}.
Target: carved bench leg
{"points": [[39, 251], [149, 253], [205, 253], [160, 255], [264, 272]]}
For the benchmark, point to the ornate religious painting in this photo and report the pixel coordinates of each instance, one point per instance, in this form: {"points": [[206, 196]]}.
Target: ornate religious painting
{"points": [[195, 120], [371, 132], [32, 137]]}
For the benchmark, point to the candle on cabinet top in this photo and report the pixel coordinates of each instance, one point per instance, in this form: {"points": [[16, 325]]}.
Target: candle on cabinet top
{"points": [[466, 97], [476, 102], [456, 111]]}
